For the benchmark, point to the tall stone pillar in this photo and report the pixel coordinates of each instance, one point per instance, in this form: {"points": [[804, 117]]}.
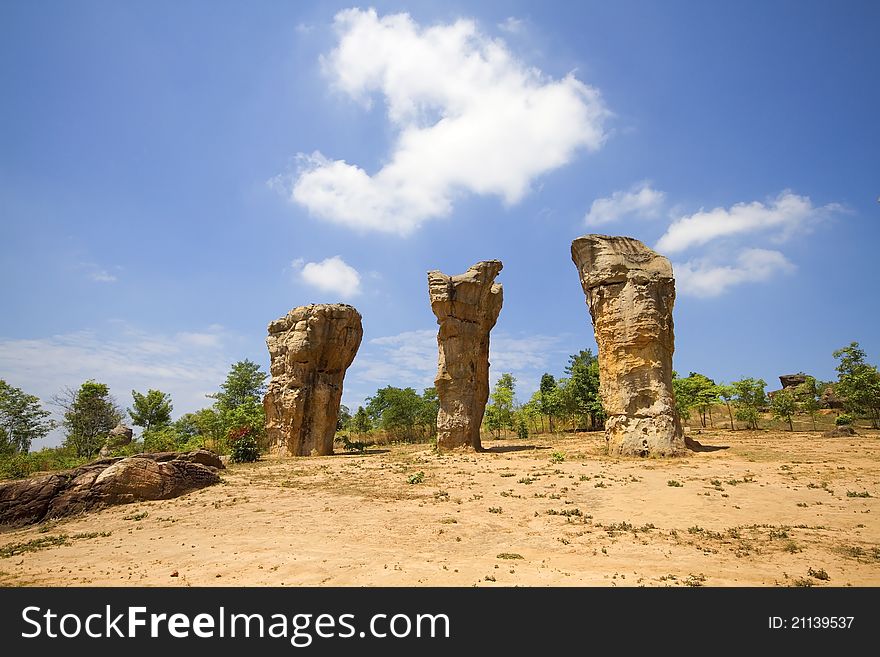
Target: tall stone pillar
{"points": [[311, 348], [466, 306], [630, 293]]}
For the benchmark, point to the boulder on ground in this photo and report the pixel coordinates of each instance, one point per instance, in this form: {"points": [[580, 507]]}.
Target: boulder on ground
{"points": [[107, 482]]}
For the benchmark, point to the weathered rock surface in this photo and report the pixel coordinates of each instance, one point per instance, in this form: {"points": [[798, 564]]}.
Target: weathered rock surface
{"points": [[311, 348], [107, 482], [792, 380], [119, 436], [630, 293], [830, 399], [466, 307]]}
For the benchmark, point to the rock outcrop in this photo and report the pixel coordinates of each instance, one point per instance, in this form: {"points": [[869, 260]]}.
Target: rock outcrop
{"points": [[107, 482], [792, 380], [119, 436], [311, 348], [630, 293], [466, 307]]}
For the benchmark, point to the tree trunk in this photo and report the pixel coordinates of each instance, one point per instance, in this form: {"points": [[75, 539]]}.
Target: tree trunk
{"points": [[790, 425], [730, 413]]}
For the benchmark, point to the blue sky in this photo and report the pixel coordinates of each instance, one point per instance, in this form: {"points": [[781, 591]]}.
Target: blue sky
{"points": [[173, 176]]}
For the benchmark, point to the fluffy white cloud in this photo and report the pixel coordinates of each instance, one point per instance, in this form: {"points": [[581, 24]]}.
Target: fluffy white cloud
{"points": [[641, 201], [703, 278], [783, 217], [188, 365], [469, 117], [332, 275]]}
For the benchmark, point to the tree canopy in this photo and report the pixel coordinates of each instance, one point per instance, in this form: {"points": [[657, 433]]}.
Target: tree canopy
{"points": [[152, 410], [89, 415], [22, 419]]}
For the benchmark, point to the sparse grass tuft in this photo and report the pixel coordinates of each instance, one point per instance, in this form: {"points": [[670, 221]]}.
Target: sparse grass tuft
{"points": [[819, 574]]}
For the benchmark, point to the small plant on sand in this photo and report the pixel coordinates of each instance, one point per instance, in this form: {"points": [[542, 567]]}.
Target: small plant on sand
{"points": [[819, 574], [674, 484], [416, 478], [557, 457], [843, 420]]}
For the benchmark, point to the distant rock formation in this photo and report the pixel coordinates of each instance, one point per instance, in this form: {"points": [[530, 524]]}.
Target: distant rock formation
{"points": [[792, 380], [119, 436], [466, 307], [310, 348], [830, 399], [106, 482], [630, 293]]}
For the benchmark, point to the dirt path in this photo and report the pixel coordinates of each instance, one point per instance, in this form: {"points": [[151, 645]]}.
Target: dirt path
{"points": [[774, 509]]}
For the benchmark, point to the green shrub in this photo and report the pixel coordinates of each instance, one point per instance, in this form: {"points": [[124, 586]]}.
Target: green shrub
{"points": [[522, 429], [843, 419], [15, 466], [243, 445]]}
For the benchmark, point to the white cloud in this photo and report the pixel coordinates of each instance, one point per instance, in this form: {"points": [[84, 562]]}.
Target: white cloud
{"points": [[641, 201], [332, 275], [786, 215], [512, 25], [703, 278], [469, 117], [188, 365], [96, 273]]}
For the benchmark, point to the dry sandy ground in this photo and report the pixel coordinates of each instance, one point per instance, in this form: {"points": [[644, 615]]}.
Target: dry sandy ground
{"points": [[776, 509]]}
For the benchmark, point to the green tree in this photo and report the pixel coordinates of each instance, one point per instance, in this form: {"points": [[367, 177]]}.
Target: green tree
{"points": [[152, 410], [397, 411], [783, 406], [361, 422], [582, 389], [695, 391], [89, 415], [858, 382], [343, 420], [428, 410], [499, 410], [808, 396], [22, 419], [548, 399], [727, 394], [239, 404], [683, 397], [205, 427], [749, 400], [245, 384], [532, 411]]}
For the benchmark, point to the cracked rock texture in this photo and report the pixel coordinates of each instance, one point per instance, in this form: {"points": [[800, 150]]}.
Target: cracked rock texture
{"points": [[466, 307], [157, 476], [310, 348], [630, 293]]}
